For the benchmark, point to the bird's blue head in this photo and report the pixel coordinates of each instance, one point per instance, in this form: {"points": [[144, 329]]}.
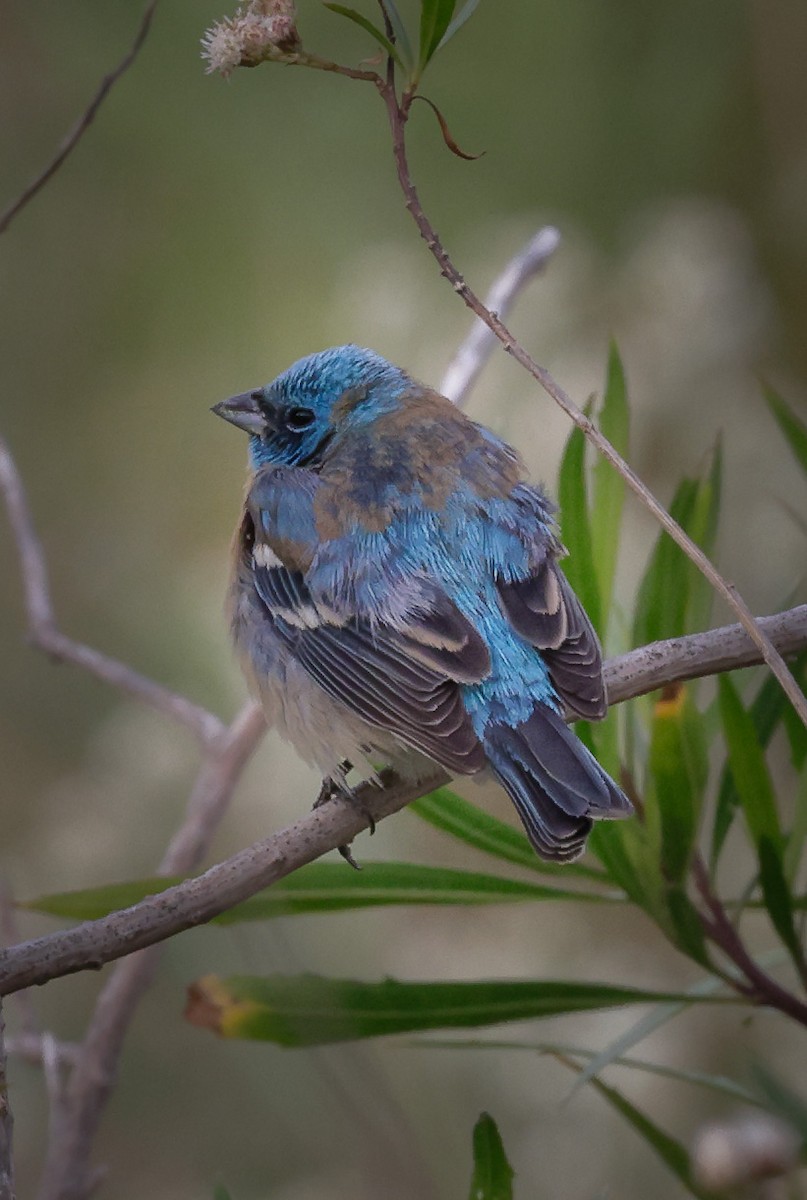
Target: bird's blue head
{"points": [[293, 420]]}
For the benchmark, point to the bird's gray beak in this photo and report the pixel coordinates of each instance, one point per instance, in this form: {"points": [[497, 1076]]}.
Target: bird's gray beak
{"points": [[245, 411]]}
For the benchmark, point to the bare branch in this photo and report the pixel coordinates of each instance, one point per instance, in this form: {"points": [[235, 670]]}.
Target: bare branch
{"points": [[44, 633], [398, 112], [82, 125], [698, 654], [198, 900], [228, 883], [471, 356], [67, 1174], [6, 1125]]}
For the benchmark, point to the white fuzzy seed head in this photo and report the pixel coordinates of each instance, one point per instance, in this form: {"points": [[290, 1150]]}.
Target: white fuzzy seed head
{"points": [[259, 30]]}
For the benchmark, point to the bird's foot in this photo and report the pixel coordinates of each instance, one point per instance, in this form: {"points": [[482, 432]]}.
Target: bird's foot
{"points": [[333, 788]]}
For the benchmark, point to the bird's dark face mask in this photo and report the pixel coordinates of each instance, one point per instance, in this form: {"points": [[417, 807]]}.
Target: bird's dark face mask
{"points": [[285, 433]]}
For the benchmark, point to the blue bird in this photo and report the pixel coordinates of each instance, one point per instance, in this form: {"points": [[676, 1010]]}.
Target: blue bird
{"points": [[396, 587]]}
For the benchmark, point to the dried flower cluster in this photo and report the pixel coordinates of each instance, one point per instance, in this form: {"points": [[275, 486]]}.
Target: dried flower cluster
{"points": [[260, 29]]}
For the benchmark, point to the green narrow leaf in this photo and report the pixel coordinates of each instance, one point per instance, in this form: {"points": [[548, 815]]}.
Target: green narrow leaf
{"points": [[602, 740], [435, 18], [755, 789], [450, 813], [747, 764], [630, 853], [609, 486], [644, 1027], [769, 707], [401, 36], [673, 596], [308, 1010], [794, 727], [716, 1083], [778, 898], [703, 530], [91, 903], [576, 527], [793, 427], [368, 27], [687, 929], [328, 887], [468, 9], [766, 711], [677, 778], [662, 600], [493, 1175], [220, 1192], [798, 835], [667, 1148], [610, 842], [323, 887]]}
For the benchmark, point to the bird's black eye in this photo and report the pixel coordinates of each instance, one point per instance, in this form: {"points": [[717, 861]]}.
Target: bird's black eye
{"points": [[298, 419]]}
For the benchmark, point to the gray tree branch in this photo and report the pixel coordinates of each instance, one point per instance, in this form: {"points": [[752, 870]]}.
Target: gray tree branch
{"points": [[198, 900]]}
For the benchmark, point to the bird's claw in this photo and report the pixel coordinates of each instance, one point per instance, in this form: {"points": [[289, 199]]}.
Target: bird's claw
{"points": [[336, 788], [345, 851]]}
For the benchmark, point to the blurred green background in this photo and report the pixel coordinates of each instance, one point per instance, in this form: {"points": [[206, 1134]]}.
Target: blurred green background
{"points": [[203, 236]]}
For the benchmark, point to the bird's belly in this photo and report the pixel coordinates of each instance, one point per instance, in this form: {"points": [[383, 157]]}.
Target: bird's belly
{"points": [[323, 732]]}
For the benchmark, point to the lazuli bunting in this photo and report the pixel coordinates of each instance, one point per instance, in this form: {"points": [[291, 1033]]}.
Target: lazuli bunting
{"points": [[396, 588]]}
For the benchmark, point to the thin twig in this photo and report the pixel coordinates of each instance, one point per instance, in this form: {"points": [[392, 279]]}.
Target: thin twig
{"points": [[464, 368], [82, 125], [304, 59], [198, 900], [67, 1174], [35, 1048], [718, 927], [43, 631], [398, 112], [6, 1124]]}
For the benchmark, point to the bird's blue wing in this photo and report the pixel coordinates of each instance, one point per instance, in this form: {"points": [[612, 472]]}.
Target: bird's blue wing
{"points": [[544, 610], [400, 673]]}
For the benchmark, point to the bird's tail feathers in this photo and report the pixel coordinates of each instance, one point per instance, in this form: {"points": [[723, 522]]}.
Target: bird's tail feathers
{"points": [[557, 786]]}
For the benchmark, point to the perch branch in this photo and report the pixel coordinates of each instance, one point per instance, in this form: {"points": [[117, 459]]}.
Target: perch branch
{"points": [[82, 125], [44, 633], [398, 114], [198, 900], [698, 654]]}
